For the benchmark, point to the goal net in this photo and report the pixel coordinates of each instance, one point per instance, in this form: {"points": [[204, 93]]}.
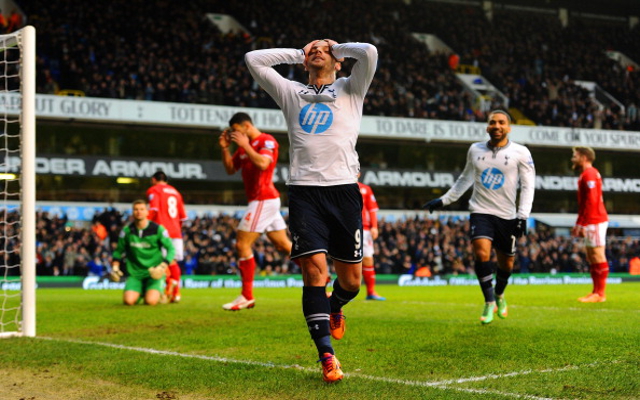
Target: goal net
{"points": [[17, 183]]}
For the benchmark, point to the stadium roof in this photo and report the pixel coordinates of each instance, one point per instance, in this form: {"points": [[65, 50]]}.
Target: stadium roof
{"points": [[569, 220]]}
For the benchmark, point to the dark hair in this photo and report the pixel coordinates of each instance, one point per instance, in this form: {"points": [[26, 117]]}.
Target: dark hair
{"points": [[160, 176], [239, 118], [499, 111]]}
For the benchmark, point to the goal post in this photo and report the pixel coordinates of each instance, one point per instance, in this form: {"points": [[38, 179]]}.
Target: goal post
{"points": [[18, 224]]}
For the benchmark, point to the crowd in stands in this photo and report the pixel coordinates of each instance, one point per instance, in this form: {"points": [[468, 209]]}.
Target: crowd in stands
{"points": [[167, 52], [10, 22], [535, 61], [160, 51], [403, 247]]}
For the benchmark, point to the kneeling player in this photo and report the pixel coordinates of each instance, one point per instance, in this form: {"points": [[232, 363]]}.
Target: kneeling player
{"points": [[143, 242]]}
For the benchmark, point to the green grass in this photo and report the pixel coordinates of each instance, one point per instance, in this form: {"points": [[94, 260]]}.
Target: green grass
{"points": [[422, 343]]}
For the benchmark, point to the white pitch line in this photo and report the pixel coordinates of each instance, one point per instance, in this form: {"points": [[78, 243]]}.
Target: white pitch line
{"points": [[434, 303], [176, 354], [443, 385], [495, 392]]}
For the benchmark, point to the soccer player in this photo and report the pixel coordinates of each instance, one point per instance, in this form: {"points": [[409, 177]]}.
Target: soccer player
{"points": [[166, 208], [325, 205], [592, 221], [256, 155], [369, 234], [494, 168], [144, 242]]}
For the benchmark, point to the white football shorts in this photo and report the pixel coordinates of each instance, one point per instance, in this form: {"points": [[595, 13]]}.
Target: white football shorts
{"points": [[596, 234], [367, 243], [262, 216], [178, 245]]}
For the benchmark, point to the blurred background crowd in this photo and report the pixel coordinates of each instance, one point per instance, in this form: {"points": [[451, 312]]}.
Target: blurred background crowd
{"points": [[404, 246], [167, 51]]}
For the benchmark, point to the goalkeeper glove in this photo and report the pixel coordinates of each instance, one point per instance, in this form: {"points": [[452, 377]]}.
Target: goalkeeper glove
{"points": [[115, 274], [520, 228], [158, 271], [433, 205]]}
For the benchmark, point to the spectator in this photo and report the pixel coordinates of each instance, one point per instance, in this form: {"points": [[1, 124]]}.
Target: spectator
{"points": [[213, 237], [538, 76], [3, 23]]}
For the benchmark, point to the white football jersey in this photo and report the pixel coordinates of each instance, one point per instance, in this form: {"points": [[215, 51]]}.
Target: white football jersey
{"points": [[323, 122], [494, 174]]}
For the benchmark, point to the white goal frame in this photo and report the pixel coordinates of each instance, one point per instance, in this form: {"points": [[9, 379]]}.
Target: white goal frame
{"points": [[26, 39]]}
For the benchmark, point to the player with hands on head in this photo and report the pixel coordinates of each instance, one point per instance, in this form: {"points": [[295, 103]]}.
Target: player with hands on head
{"points": [[494, 168], [256, 156], [323, 119], [592, 222], [143, 243]]}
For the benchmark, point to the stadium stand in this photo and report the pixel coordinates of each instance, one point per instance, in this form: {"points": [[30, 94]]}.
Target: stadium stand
{"points": [[160, 51], [97, 48], [404, 246]]}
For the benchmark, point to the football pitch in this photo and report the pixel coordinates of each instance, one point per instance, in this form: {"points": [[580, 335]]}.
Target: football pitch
{"points": [[422, 343]]}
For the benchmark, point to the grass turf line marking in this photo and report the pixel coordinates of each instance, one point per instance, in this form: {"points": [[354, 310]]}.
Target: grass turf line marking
{"points": [[443, 385], [447, 385], [434, 303]]}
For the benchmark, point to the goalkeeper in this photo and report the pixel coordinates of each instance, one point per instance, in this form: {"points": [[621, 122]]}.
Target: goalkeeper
{"points": [[142, 241]]}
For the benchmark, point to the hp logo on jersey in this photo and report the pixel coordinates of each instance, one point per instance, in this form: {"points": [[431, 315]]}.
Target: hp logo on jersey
{"points": [[492, 178], [315, 118]]}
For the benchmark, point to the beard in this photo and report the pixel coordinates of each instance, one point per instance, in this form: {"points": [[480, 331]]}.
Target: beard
{"points": [[577, 168], [497, 136]]}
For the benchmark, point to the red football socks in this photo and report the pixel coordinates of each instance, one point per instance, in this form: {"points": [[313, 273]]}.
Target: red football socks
{"points": [[599, 274], [369, 276], [247, 271], [175, 275]]}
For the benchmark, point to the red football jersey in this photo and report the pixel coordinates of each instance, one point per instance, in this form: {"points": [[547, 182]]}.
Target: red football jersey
{"points": [[258, 185], [369, 207], [167, 208], [590, 203]]}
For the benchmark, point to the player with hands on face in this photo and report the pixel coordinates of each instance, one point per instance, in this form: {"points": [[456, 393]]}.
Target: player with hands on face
{"points": [[494, 168], [256, 156], [143, 242]]}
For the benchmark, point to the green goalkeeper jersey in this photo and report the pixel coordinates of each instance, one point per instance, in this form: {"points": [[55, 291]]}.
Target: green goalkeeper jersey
{"points": [[143, 248]]}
